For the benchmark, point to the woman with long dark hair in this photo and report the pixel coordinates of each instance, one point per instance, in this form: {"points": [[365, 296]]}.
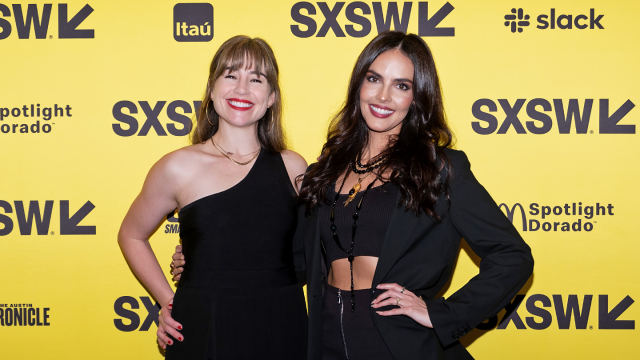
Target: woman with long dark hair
{"points": [[382, 216], [239, 297]]}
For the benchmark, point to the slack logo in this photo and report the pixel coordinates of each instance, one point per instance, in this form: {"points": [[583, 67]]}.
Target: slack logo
{"points": [[517, 20], [523, 20], [193, 22]]}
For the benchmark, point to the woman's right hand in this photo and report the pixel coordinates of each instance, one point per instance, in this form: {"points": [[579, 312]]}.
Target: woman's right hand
{"points": [[177, 263], [166, 325]]}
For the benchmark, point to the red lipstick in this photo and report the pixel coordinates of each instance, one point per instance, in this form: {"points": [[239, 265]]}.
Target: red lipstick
{"points": [[387, 111], [244, 104]]}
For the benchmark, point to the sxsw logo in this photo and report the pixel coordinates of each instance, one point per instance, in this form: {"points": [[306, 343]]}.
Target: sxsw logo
{"points": [[193, 22], [565, 310], [129, 125], [517, 20], [69, 223], [360, 25], [132, 321], [568, 114], [31, 17]]}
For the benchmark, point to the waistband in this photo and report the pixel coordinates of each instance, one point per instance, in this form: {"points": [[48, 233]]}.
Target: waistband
{"points": [[238, 279], [334, 290]]}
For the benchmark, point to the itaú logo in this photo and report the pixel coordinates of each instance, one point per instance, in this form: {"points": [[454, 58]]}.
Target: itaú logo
{"points": [[193, 22], [568, 217]]}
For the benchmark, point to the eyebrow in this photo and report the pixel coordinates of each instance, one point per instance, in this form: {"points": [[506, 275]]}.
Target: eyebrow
{"points": [[228, 68], [398, 80]]}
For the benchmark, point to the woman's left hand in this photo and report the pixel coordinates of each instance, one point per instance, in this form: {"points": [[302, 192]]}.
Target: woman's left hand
{"points": [[409, 304]]}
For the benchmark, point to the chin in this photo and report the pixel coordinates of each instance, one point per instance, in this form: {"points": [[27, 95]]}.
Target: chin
{"points": [[382, 126]]}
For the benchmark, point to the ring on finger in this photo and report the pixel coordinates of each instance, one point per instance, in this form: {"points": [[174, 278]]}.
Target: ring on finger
{"points": [[397, 301], [402, 291]]}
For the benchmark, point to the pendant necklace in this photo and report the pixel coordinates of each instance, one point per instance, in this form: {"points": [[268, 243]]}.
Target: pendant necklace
{"points": [[355, 189], [354, 227], [365, 169]]}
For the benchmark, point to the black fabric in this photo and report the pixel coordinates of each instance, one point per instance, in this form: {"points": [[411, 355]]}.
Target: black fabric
{"points": [[420, 254], [373, 221], [238, 297], [363, 341]]}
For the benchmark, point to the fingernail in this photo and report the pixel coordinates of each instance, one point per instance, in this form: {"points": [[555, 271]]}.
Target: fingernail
{"points": [[180, 338], [170, 342], [179, 327], [378, 312], [378, 287], [170, 306]]}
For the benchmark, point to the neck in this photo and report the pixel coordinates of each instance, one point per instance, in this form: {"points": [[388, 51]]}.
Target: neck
{"points": [[378, 142], [237, 140]]}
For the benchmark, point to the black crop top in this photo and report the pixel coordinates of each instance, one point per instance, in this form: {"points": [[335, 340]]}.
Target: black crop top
{"points": [[373, 222]]}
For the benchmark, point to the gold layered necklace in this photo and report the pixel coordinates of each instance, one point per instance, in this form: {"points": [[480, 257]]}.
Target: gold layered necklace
{"points": [[362, 172], [227, 153]]}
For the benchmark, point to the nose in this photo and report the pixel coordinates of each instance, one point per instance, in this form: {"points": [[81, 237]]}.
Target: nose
{"points": [[383, 94], [242, 87]]}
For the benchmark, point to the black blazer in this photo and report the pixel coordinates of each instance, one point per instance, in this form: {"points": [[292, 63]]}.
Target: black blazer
{"points": [[419, 253]]}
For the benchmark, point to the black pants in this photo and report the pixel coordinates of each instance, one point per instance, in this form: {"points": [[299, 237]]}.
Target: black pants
{"points": [[347, 335]]}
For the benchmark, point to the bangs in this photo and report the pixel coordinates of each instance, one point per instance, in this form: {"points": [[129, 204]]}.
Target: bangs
{"points": [[245, 55]]}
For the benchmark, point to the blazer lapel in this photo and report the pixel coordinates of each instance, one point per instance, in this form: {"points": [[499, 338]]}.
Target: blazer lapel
{"points": [[400, 229]]}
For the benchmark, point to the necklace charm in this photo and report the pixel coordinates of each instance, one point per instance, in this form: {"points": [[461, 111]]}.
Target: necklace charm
{"points": [[355, 189], [352, 193]]}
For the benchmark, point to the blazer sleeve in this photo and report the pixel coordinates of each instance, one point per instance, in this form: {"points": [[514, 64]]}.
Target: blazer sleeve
{"points": [[299, 257], [506, 262]]}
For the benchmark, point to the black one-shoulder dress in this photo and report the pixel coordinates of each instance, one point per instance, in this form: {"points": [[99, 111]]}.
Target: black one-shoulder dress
{"points": [[238, 297]]}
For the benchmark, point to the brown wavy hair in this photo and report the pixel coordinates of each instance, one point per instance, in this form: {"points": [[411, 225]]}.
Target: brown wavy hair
{"points": [[241, 52], [415, 156]]}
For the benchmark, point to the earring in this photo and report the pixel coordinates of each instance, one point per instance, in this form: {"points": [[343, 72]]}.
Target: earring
{"points": [[266, 118], [206, 111]]}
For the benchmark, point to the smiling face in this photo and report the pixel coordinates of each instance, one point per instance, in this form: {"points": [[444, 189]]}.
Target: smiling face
{"points": [[387, 91], [242, 97]]}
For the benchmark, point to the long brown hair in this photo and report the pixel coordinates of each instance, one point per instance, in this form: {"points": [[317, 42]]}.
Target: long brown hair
{"points": [[241, 52], [415, 155]]}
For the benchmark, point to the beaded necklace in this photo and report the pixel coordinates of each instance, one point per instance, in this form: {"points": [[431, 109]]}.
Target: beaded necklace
{"points": [[353, 232]]}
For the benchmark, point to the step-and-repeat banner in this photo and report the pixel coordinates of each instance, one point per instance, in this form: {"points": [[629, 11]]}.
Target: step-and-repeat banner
{"points": [[541, 95]]}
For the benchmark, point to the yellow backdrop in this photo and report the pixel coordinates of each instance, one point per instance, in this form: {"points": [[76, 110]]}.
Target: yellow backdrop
{"points": [[540, 95]]}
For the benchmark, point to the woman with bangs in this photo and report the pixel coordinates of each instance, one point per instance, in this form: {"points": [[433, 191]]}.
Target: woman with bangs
{"points": [[235, 190]]}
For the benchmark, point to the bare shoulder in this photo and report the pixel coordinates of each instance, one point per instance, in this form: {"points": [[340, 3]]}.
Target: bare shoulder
{"points": [[294, 162], [179, 164]]}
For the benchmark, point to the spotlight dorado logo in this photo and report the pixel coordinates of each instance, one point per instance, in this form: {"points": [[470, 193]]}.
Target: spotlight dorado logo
{"points": [[31, 116], [582, 217]]}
